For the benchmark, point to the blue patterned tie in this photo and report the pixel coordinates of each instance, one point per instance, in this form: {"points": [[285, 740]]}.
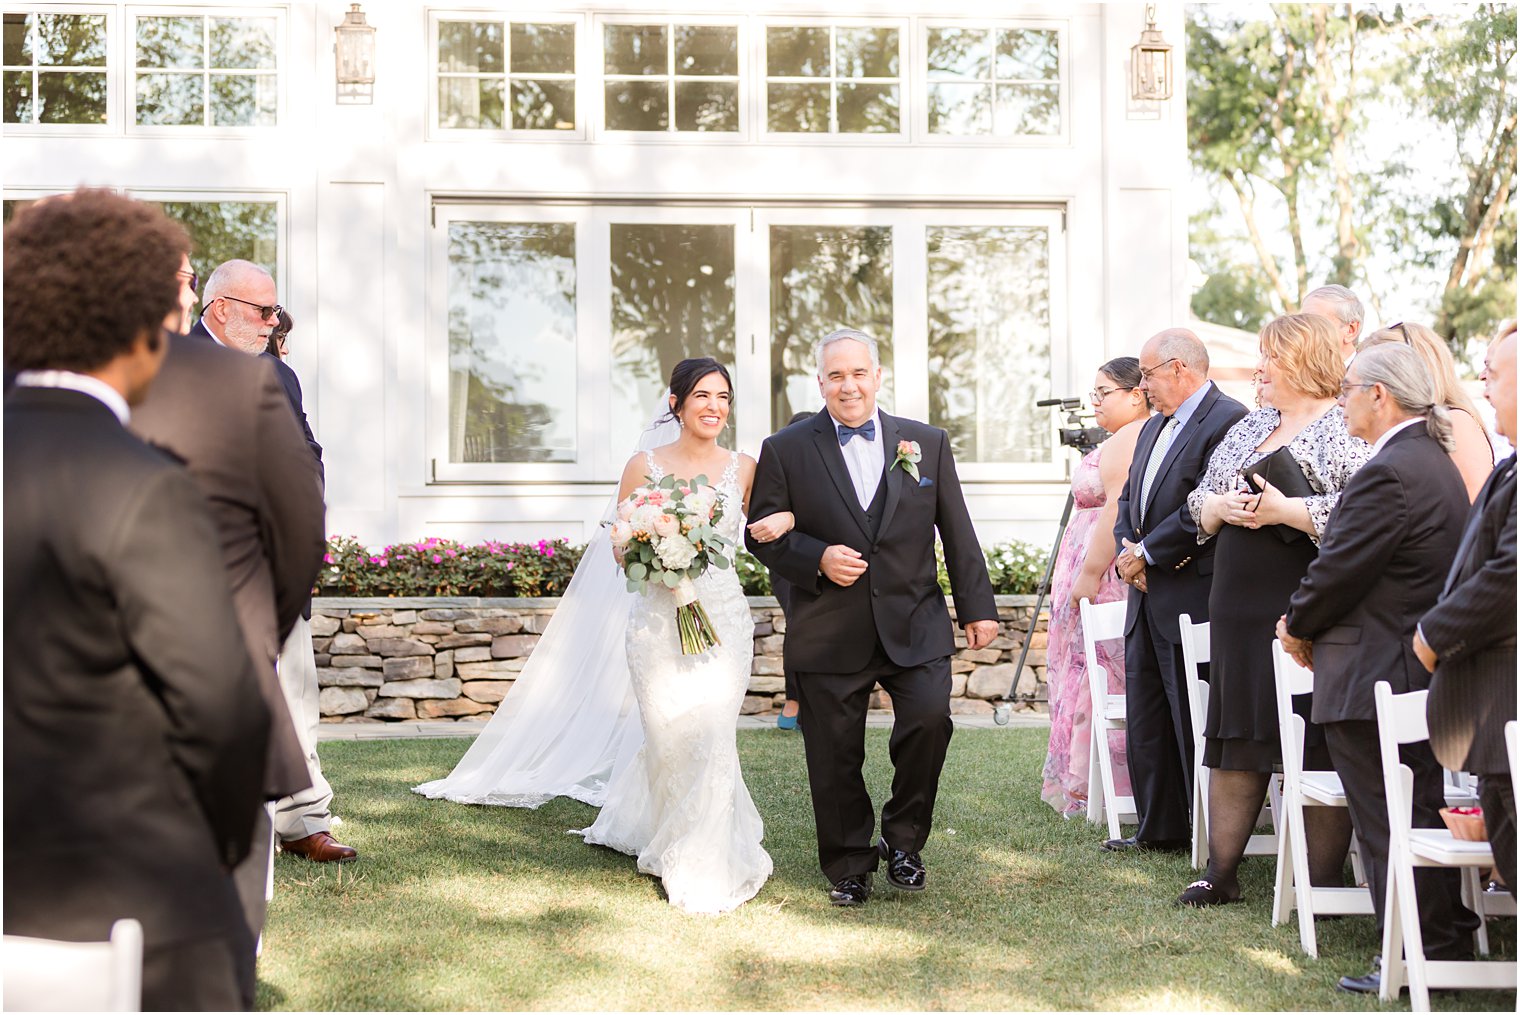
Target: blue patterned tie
{"points": [[1158, 455], [866, 430]]}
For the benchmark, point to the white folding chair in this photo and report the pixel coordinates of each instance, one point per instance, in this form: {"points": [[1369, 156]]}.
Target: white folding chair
{"points": [[1401, 720], [1302, 789], [43, 975], [1195, 652], [1104, 622]]}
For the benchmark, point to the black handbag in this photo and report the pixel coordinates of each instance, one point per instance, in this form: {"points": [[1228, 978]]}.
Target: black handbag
{"points": [[1282, 470]]}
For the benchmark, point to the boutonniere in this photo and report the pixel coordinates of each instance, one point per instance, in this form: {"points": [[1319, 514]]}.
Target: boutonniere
{"points": [[908, 457]]}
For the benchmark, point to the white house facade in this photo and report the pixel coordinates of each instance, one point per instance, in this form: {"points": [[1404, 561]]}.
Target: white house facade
{"points": [[493, 264]]}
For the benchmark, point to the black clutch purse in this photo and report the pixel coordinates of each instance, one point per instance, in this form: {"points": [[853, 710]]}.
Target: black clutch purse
{"points": [[1282, 470]]}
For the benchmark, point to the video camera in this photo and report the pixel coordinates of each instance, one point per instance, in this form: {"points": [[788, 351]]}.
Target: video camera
{"points": [[1074, 434]]}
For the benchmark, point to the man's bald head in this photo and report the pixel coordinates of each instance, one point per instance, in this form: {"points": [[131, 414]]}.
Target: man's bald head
{"points": [[1182, 345], [1173, 365], [232, 277]]}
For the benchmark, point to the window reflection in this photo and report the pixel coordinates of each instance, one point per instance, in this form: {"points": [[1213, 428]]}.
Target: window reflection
{"points": [[512, 363], [1003, 81], [47, 68], [824, 278], [833, 79], [990, 340], [671, 77], [495, 75], [206, 71]]}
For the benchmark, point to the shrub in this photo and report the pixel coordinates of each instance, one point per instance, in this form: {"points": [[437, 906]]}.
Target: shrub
{"points": [[444, 567]]}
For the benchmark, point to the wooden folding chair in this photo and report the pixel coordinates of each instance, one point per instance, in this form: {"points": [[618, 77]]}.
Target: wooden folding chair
{"points": [[1195, 652], [1104, 622], [1301, 789], [44, 975], [1401, 720]]}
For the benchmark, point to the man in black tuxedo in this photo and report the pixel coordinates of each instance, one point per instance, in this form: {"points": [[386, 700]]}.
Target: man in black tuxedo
{"points": [[226, 415], [1169, 574], [868, 491], [240, 297], [1468, 637], [1388, 542], [134, 727]]}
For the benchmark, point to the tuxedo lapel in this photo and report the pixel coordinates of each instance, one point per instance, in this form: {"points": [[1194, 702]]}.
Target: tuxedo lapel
{"points": [[895, 475], [826, 441], [1502, 474]]}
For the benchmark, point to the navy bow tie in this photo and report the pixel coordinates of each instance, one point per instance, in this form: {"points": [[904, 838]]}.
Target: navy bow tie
{"points": [[866, 430]]}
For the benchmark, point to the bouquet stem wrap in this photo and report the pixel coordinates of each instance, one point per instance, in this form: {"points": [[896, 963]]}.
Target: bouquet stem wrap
{"points": [[696, 628]]}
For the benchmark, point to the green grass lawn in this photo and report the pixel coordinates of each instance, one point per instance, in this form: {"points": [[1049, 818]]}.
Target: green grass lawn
{"points": [[456, 907]]}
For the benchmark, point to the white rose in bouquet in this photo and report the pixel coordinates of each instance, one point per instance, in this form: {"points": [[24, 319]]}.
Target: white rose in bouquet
{"points": [[621, 533], [643, 517], [676, 552]]}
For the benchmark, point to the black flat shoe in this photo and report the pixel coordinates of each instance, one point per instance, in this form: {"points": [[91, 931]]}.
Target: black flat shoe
{"points": [[904, 870], [851, 891], [1134, 845], [1202, 893]]}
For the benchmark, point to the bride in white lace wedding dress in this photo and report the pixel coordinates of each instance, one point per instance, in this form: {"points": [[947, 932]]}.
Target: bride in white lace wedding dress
{"points": [[677, 800]]}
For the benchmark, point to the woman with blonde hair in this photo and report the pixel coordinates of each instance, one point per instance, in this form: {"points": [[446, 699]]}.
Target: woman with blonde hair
{"points": [[1268, 533], [1474, 452]]}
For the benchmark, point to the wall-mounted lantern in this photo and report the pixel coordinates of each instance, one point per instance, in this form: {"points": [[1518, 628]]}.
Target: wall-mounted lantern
{"points": [[355, 50], [1150, 63]]}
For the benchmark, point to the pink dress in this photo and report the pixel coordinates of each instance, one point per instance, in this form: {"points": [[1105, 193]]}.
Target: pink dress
{"points": [[1066, 763]]}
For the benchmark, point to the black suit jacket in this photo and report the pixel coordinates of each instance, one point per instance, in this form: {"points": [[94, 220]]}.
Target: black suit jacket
{"points": [[1179, 580], [292, 385], [897, 602], [1472, 630], [226, 416], [134, 727], [1386, 546]]}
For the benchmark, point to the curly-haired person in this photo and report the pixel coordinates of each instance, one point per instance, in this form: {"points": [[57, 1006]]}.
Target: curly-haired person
{"points": [[134, 726]]}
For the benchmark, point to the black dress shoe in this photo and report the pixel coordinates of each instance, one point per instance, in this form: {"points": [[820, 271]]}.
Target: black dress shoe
{"points": [[1370, 982], [851, 891], [1202, 893], [1134, 845], [904, 870]]}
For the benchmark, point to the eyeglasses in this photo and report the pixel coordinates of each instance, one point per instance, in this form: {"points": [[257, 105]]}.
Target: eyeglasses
{"points": [[1346, 388], [195, 279], [267, 313], [1097, 395], [1148, 374]]}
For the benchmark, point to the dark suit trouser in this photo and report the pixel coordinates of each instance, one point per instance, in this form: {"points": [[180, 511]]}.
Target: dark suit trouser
{"points": [[1446, 925], [1496, 794], [1159, 733], [252, 876], [833, 712], [214, 973]]}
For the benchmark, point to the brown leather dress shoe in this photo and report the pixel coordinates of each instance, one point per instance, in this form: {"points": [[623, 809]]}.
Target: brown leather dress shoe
{"points": [[320, 847]]}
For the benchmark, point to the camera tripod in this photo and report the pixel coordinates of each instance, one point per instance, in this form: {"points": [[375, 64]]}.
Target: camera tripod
{"points": [[1085, 440]]}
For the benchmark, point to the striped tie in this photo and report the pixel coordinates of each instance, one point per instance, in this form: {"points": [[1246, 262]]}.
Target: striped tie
{"points": [[1158, 455]]}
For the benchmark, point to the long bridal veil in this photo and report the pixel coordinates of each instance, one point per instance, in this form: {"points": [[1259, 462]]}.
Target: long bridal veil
{"points": [[570, 719]]}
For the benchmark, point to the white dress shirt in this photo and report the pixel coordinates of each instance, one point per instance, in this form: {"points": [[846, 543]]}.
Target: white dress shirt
{"points": [[82, 383], [1382, 441], [864, 459]]}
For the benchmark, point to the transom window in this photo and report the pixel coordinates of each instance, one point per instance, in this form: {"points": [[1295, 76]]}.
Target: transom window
{"points": [[54, 68], [671, 77], [506, 75], [833, 79], [997, 81], [206, 71]]}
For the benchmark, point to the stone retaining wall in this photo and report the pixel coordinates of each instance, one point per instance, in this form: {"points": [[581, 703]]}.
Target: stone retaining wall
{"points": [[399, 659]]}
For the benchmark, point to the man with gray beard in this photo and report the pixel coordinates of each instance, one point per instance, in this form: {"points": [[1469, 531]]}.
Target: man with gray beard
{"points": [[240, 314]]}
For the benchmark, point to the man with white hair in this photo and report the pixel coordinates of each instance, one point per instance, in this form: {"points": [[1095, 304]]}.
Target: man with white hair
{"points": [[1341, 306]]}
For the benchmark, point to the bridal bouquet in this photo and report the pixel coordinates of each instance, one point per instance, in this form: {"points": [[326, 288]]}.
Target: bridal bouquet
{"points": [[666, 535]]}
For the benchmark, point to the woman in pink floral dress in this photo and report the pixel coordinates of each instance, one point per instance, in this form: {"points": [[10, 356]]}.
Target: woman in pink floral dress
{"points": [[1084, 569]]}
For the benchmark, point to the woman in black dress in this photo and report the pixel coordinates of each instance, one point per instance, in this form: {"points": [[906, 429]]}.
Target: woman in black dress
{"points": [[1266, 541]]}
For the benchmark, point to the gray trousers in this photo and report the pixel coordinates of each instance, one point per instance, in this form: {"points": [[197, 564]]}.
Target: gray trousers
{"points": [[309, 811]]}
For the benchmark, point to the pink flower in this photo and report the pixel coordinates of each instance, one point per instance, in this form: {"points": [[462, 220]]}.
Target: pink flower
{"points": [[625, 509], [327, 558], [437, 559], [451, 553], [666, 525]]}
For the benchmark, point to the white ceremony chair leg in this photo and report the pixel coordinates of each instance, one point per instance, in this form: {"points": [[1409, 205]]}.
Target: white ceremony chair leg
{"points": [[1104, 622], [1195, 652], [1401, 720]]}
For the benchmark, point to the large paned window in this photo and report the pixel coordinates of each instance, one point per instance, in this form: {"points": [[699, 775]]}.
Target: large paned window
{"points": [[506, 75], [671, 77], [833, 79], [193, 70], [556, 327], [1004, 82], [54, 68]]}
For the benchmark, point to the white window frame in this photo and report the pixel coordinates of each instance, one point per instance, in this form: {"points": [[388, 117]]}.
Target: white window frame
{"points": [[600, 130], [600, 454], [111, 70], [1060, 139], [507, 17], [906, 89], [281, 72]]}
